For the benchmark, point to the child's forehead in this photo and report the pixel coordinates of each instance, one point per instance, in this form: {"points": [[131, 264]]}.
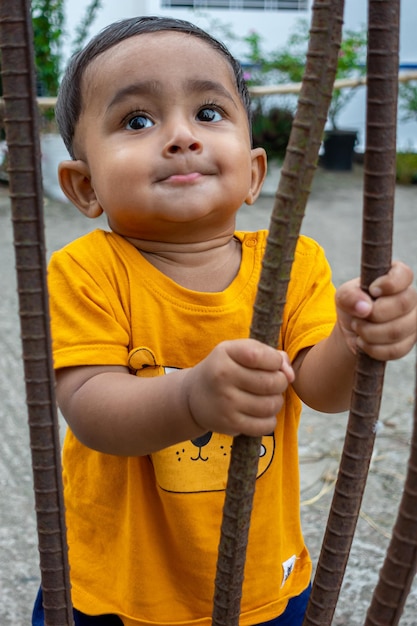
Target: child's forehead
{"points": [[156, 45], [165, 57]]}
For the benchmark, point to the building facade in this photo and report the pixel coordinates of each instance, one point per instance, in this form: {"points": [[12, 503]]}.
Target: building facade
{"points": [[274, 20]]}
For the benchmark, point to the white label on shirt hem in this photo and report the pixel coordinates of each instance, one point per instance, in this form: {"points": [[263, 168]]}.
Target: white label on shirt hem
{"points": [[288, 567]]}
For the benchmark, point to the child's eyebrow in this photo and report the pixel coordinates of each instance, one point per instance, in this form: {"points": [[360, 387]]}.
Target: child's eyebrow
{"points": [[145, 87], [151, 87], [212, 86]]}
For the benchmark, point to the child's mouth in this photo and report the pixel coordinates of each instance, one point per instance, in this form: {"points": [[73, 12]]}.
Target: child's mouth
{"points": [[183, 179]]}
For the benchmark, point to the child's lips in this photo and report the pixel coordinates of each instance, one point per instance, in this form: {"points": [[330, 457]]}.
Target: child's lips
{"points": [[183, 179]]}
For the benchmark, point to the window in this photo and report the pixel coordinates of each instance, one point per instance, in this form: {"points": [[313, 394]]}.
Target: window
{"points": [[260, 5]]}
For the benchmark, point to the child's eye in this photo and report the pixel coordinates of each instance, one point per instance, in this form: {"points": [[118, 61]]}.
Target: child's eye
{"points": [[139, 122], [209, 114]]}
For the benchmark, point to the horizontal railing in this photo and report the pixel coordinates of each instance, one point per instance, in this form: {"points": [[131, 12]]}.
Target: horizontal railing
{"points": [[48, 102]]}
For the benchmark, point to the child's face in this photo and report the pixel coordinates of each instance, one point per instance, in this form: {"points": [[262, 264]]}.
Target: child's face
{"points": [[163, 142]]}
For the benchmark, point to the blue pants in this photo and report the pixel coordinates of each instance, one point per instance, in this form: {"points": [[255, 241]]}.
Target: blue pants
{"points": [[80, 619], [293, 615]]}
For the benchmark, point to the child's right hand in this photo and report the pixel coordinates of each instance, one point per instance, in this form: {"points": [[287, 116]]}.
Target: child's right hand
{"points": [[238, 388]]}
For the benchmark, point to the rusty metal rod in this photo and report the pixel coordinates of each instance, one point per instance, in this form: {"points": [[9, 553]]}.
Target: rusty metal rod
{"points": [[400, 565], [291, 197], [379, 189], [21, 124]]}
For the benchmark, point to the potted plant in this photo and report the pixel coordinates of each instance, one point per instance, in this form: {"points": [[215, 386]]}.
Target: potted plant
{"points": [[339, 143], [287, 64]]}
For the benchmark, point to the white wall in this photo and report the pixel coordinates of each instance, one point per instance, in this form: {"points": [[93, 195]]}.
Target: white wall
{"points": [[354, 116], [274, 31], [274, 27]]}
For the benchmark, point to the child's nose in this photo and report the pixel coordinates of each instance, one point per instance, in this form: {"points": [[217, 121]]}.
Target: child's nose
{"points": [[174, 148], [181, 138]]}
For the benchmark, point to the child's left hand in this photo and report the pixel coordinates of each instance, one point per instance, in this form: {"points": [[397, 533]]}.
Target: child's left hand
{"points": [[384, 323]]}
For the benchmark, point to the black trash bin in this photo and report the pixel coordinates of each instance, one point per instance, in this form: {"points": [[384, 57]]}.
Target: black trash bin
{"points": [[338, 149]]}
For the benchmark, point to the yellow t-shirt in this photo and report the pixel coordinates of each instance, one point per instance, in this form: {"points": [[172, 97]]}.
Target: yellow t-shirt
{"points": [[143, 532]]}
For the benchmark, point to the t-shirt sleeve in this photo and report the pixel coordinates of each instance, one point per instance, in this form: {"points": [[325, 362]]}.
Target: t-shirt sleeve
{"points": [[310, 311], [89, 325]]}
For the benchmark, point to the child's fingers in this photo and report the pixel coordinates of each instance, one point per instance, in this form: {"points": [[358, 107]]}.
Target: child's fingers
{"points": [[387, 351], [395, 307], [396, 334], [250, 427], [238, 388], [352, 300], [393, 296], [398, 279], [259, 406], [253, 354], [261, 370], [287, 368], [261, 383], [259, 357]]}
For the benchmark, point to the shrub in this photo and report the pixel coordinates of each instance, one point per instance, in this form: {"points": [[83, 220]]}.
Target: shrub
{"points": [[406, 168], [271, 130], [48, 19], [287, 63], [408, 101]]}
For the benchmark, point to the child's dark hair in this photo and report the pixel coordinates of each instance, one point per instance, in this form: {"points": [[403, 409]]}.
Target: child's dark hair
{"points": [[69, 102]]}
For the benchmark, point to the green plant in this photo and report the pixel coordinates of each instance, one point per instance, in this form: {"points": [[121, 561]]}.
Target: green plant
{"points": [[406, 168], [287, 63], [271, 130], [48, 19], [48, 29], [408, 100]]}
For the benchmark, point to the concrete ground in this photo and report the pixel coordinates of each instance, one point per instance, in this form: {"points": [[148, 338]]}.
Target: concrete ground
{"points": [[333, 218]]}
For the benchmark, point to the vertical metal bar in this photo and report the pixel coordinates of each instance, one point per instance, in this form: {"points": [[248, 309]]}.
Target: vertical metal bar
{"points": [[21, 123], [291, 197], [400, 563], [379, 189]]}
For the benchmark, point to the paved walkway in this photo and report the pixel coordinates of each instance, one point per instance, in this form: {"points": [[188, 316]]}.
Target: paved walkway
{"points": [[333, 218]]}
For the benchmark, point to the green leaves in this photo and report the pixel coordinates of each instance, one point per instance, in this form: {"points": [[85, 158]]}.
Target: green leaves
{"points": [[48, 19], [287, 63], [408, 101], [48, 29]]}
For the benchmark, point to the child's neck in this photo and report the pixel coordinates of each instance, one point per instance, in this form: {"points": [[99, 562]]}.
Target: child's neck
{"points": [[206, 266]]}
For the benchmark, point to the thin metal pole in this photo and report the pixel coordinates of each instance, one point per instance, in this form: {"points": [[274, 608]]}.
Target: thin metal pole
{"points": [[400, 565], [291, 197], [21, 124], [379, 190]]}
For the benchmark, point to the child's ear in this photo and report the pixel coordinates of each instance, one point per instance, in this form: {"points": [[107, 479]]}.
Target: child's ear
{"points": [[258, 174], [75, 180]]}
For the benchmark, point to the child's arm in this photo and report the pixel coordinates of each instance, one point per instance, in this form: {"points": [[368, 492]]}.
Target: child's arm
{"points": [[385, 328], [236, 389]]}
